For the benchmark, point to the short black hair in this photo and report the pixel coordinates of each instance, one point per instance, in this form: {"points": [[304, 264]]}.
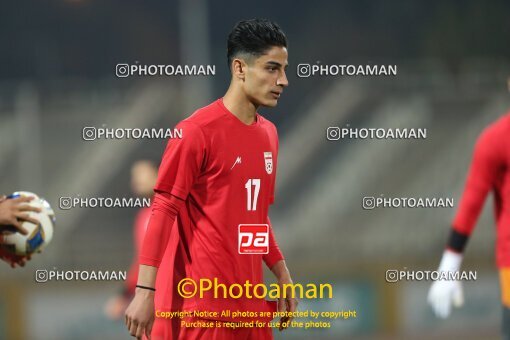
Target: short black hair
{"points": [[254, 37]]}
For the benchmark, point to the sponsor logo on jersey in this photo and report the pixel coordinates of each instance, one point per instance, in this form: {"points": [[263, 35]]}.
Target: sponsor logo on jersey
{"points": [[253, 239], [268, 159]]}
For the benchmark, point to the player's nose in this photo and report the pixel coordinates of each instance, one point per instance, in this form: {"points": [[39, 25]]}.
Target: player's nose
{"points": [[282, 80]]}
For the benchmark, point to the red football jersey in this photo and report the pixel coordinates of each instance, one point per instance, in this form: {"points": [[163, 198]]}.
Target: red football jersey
{"points": [[489, 172], [225, 172]]}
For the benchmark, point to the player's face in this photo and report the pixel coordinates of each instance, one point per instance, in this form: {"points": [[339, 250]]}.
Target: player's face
{"points": [[265, 77]]}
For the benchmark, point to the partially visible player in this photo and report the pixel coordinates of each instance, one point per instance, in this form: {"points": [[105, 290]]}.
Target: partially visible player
{"points": [[144, 174], [489, 173], [218, 177], [13, 212]]}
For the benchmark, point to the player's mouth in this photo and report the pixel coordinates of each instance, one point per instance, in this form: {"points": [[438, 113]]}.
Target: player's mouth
{"points": [[276, 94]]}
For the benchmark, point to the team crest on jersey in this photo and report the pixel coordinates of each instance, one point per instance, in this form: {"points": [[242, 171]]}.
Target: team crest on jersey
{"points": [[268, 159]]}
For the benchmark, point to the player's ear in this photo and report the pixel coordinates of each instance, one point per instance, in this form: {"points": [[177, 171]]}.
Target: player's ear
{"points": [[239, 68]]}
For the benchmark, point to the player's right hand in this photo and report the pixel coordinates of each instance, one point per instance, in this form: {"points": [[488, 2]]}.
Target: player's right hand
{"points": [[140, 313], [443, 294], [15, 211]]}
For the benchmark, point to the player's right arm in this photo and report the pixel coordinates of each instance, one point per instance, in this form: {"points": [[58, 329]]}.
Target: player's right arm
{"points": [[140, 312], [485, 168], [178, 172]]}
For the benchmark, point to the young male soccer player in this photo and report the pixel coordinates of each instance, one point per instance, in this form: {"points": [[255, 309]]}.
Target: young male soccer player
{"points": [[215, 181], [489, 172]]}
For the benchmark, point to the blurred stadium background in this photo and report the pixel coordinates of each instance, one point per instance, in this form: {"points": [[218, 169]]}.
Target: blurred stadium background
{"points": [[57, 75]]}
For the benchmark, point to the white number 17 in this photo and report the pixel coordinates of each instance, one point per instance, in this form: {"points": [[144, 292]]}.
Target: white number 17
{"points": [[255, 182]]}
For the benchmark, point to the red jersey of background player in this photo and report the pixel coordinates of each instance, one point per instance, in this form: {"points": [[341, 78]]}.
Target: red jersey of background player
{"points": [[490, 171], [225, 171]]}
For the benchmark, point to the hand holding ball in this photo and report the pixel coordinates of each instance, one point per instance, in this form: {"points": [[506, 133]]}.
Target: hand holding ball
{"points": [[38, 235]]}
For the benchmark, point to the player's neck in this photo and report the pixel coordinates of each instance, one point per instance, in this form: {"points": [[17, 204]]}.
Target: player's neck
{"points": [[236, 102]]}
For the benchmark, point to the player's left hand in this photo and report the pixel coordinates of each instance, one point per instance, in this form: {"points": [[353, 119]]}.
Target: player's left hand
{"points": [[286, 304]]}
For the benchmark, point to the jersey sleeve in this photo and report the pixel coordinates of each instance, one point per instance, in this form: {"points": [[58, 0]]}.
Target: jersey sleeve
{"points": [[182, 161], [274, 255], [485, 168], [157, 236]]}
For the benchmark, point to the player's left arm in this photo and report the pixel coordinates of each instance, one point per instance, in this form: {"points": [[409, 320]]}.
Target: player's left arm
{"points": [[288, 302], [274, 258], [276, 262]]}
